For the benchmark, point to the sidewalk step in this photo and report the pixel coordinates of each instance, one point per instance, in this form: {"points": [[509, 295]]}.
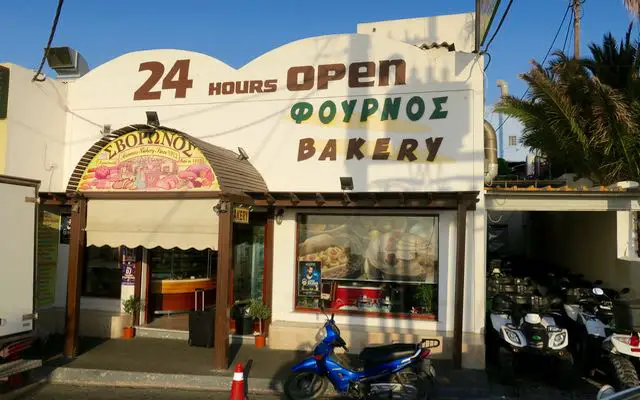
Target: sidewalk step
{"points": [[159, 333], [96, 377]]}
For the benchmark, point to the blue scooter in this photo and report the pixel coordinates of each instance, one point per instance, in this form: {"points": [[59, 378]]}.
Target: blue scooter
{"points": [[395, 371]]}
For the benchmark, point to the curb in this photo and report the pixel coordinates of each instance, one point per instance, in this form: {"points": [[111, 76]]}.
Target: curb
{"points": [[148, 380], [210, 383]]}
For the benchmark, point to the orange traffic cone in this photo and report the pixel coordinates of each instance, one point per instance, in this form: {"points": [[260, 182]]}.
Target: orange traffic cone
{"points": [[237, 387]]}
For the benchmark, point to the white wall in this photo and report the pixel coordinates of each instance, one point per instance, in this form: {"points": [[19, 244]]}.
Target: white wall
{"points": [[510, 127], [455, 28], [262, 125], [284, 270], [36, 128]]}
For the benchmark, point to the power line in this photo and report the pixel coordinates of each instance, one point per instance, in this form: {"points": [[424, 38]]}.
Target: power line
{"points": [[36, 77], [544, 60], [504, 16]]}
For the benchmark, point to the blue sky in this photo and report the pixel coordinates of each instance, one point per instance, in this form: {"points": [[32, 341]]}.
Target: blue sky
{"points": [[238, 31]]}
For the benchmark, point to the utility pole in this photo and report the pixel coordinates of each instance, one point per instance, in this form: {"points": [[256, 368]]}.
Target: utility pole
{"points": [[576, 28]]}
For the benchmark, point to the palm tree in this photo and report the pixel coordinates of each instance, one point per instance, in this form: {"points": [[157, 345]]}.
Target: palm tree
{"points": [[584, 114]]}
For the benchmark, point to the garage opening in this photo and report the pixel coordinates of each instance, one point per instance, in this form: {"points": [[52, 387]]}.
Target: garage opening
{"points": [[596, 245]]}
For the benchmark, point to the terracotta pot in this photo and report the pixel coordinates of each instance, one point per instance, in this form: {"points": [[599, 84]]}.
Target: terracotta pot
{"points": [[260, 341], [128, 332]]}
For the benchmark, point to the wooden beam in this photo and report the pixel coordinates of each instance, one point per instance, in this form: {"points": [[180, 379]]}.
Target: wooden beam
{"points": [[458, 313], [269, 198], [374, 198], [319, 199], [223, 281], [441, 204], [345, 198], [268, 266], [77, 245], [294, 199]]}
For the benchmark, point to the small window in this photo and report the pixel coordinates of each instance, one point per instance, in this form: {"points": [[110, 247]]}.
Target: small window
{"points": [[102, 273], [512, 141]]}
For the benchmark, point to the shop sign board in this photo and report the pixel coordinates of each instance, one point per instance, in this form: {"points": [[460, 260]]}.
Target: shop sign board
{"points": [[485, 12], [392, 116], [309, 280], [241, 215], [138, 161]]}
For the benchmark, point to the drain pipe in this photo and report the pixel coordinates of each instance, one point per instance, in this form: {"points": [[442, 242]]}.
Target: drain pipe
{"points": [[490, 153]]}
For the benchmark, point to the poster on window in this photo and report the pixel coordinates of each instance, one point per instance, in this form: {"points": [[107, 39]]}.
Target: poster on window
{"points": [[371, 248], [309, 279], [128, 267], [65, 229]]}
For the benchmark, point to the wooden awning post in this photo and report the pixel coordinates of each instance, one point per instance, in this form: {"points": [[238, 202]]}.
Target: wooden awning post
{"points": [[461, 230], [225, 263], [77, 243]]}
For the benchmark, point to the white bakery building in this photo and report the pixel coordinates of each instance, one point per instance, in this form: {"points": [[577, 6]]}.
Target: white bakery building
{"points": [[357, 157]]}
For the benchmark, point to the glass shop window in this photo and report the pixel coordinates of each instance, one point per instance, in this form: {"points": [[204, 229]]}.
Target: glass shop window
{"points": [[373, 265], [178, 264], [102, 272]]}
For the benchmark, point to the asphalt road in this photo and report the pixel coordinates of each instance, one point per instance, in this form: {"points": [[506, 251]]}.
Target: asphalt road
{"points": [[60, 392]]}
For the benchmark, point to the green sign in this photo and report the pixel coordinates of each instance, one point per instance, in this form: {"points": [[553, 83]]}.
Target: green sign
{"points": [[4, 91], [536, 338]]}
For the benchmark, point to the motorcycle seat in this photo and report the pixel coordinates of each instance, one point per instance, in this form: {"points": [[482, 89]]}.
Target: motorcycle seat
{"points": [[386, 353]]}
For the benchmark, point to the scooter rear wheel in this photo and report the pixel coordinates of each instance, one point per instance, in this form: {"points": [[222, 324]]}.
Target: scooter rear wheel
{"points": [[304, 386], [421, 381]]}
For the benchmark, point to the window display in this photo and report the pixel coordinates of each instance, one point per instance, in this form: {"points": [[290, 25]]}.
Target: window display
{"points": [[381, 264], [177, 264], [102, 272]]}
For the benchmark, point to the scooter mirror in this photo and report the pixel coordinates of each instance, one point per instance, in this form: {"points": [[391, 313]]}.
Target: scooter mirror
{"points": [[625, 290], [332, 315]]}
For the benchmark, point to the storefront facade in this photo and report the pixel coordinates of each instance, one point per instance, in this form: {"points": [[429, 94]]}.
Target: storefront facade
{"points": [[361, 157]]}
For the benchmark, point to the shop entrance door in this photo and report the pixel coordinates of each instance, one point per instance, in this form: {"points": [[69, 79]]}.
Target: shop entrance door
{"points": [[248, 267]]}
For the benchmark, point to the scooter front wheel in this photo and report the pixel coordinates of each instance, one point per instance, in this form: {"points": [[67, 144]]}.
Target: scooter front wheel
{"points": [[623, 372], [304, 386]]}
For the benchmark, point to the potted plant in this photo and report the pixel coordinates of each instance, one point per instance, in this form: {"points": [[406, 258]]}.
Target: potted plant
{"points": [[130, 306], [425, 296], [244, 322], [260, 312]]}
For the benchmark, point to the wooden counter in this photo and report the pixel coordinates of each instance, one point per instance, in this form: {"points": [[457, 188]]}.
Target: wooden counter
{"points": [[178, 295], [174, 286]]}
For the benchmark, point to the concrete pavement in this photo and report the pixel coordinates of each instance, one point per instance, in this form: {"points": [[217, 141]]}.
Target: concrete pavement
{"points": [[68, 392]]}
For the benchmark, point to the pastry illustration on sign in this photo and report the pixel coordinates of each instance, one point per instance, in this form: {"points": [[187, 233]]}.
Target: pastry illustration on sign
{"points": [[156, 163]]}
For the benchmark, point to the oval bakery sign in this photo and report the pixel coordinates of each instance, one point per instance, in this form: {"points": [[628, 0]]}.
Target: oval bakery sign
{"points": [[140, 161]]}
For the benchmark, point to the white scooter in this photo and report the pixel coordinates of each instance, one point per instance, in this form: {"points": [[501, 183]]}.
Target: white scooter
{"points": [[594, 343]]}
